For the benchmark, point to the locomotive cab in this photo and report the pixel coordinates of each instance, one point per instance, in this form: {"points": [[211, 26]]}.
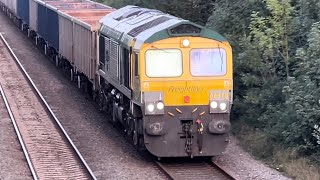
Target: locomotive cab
{"points": [[186, 87]]}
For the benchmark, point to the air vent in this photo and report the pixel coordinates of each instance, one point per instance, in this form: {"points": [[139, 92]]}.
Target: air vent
{"points": [[128, 15], [137, 30], [185, 29], [151, 11]]}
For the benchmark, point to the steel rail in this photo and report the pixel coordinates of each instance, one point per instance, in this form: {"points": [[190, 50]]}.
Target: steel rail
{"points": [[47, 107], [163, 169], [222, 169], [13, 120]]}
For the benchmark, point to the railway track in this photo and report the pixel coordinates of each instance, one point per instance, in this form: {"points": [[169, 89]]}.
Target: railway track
{"points": [[48, 149], [191, 169]]}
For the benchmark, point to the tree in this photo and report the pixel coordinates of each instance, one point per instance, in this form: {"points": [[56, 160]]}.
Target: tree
{"points": [[307, 12], [303, 94], [270, 35], [197, 11]]}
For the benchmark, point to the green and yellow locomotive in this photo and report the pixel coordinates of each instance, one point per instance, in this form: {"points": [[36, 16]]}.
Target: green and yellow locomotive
{"points": [[167, 80]]}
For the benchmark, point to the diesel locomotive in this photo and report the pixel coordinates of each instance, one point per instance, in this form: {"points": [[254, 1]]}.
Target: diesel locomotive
{"points": [[166, 80]]}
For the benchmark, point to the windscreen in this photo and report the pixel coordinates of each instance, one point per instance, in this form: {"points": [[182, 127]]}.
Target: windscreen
{"points": [[208, 62], [164, 63]]}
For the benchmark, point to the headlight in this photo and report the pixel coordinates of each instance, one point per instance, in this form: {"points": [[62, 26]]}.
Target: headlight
{"points": [[150, 107], [160, 105], [218, 106], [213, 104], [223, 106], [153, 103], [185, 42]]}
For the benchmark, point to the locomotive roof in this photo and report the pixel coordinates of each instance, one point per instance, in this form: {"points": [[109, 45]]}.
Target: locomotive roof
{"points": [[149, 25]]}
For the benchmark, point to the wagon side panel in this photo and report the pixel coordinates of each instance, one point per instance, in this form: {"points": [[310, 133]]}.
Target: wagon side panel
{"points": [[33, 15], [53, 28], [42, 21], [65, 38], [23, 10], [82, 44]]}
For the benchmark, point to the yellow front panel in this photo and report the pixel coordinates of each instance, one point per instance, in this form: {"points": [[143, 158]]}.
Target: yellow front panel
{"points": [[197, 90], [177, 89]]}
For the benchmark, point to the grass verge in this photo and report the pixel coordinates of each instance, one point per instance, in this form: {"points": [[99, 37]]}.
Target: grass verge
{"points": [[275, 155]]}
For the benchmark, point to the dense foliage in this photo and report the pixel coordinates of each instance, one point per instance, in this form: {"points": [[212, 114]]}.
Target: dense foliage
{"points": [[277, 66], [277, 61], [195, 10]]}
